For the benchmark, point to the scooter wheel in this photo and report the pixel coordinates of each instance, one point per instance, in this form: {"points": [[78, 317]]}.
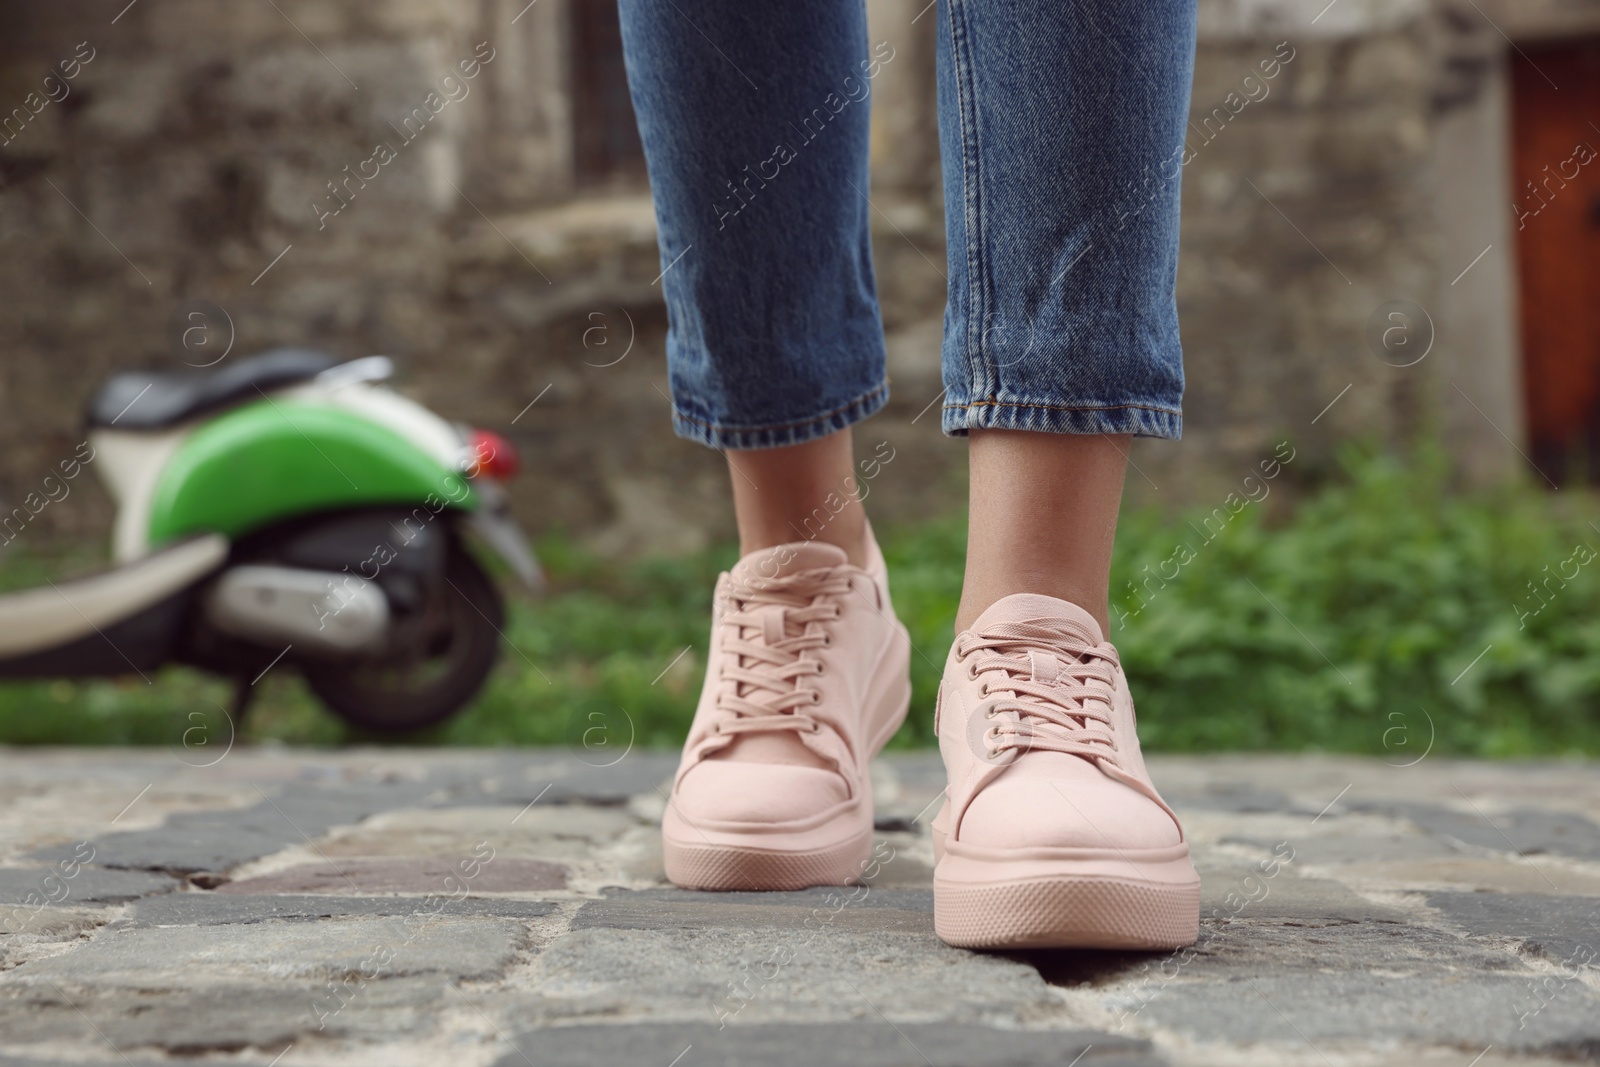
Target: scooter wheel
{"points": [[419, 687]]}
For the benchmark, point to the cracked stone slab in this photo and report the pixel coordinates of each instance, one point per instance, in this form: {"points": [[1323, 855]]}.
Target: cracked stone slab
{"points": [[1340, 984], [190, 957], [216, 841], [1230, 888], [54, 923], [30, 934], [90, 885], [1347, 1008], [767, 974], [1526, 830], [212, 1017], [1507, 875], [558, 776], [1238, 797], [438, 874], [1264, 946], [834, 909], [1231, 954], [906, 899], [212, 909], [872, 1043], [1334, 849], [545, 832], [1557, 928]]}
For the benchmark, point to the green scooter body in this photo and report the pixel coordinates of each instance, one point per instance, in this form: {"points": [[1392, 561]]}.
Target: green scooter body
{"points": [[269, 461]]}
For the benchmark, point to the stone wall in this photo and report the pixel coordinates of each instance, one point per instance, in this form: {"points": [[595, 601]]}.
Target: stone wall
{"points": [[187, 172]]}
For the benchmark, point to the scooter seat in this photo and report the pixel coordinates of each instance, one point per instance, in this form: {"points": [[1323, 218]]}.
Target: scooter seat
{"points": [[154, 400], [35, 620]]}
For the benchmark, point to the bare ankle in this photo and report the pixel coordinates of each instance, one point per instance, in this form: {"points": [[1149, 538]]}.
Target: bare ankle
{"points": [[1042, 520], [806, 492]]}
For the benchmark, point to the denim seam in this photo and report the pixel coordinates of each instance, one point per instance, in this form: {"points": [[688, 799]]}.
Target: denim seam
{"points": [[1060, 407], [717, 427], [1140, 420], [967, 96]]}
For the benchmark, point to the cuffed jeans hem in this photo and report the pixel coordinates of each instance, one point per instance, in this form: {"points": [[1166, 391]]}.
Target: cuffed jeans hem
{"points": [[723, 437], [1136, 419]]}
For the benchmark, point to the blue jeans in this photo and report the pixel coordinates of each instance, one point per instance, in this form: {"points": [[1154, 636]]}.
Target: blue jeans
{"points": [[1061, 128]]}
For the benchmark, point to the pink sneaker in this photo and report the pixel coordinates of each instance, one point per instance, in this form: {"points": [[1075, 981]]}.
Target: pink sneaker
{"points": [[1051, 834], [807, 678]]}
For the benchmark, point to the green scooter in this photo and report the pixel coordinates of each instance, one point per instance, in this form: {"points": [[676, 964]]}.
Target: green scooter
{"points": [[286, 509]]}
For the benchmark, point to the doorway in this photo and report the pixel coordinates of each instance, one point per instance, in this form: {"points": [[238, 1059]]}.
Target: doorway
{"points": [[606, 148], [1555, 150]]}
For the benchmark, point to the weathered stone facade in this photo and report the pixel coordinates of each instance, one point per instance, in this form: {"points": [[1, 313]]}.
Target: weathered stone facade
{"points": [[235, 155]]}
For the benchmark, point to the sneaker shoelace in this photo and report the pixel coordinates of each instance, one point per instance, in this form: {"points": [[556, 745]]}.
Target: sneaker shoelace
{"points": [[765, 633], [1070, 714]]}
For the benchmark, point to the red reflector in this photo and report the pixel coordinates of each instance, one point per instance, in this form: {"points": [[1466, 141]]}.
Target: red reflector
{"points": [[490, 455]]}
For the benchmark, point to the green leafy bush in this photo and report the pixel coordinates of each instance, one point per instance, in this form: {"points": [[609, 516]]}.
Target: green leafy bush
{"points": [[1383, 612]]}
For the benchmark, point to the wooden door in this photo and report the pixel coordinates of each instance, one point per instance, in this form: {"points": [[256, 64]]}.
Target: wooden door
{"points": [[1556, 216]]}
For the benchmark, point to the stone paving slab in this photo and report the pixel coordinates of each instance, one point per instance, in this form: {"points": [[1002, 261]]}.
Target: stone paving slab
{"points": [[31, 886], [412, 874], [866, 1044], [1557, 928], [217, 909], [419, 907], [1525, 831], [182, 956]]}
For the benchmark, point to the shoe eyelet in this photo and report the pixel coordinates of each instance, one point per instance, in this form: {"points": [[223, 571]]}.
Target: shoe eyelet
{"points": [[822, 668], [972, 672], [827, 640], [816, 728], [983, 690], [816, 696], [991, 713]]}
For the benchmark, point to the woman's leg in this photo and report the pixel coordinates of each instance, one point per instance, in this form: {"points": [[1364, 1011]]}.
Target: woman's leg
{"points": [[796, 478], [754, 123], [1062, 129], [1042, 518], [1061, 132]]}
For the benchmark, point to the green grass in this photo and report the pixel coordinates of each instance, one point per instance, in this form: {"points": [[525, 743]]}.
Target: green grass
{"points": [[1353, 622]]}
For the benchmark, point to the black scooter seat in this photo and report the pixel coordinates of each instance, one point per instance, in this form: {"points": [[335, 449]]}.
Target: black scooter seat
{"points": [[154, 400]]}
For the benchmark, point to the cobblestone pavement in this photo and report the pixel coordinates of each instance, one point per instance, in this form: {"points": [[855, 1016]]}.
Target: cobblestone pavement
{"points": [[503, 908]]}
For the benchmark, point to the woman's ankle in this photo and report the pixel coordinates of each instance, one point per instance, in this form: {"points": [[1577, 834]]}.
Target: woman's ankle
{"points": [[806, 492], [1042, 519]]}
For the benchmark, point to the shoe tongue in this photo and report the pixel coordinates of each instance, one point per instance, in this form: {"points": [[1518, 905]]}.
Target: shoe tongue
{"points": [[769, 563], [1035, 607]]}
